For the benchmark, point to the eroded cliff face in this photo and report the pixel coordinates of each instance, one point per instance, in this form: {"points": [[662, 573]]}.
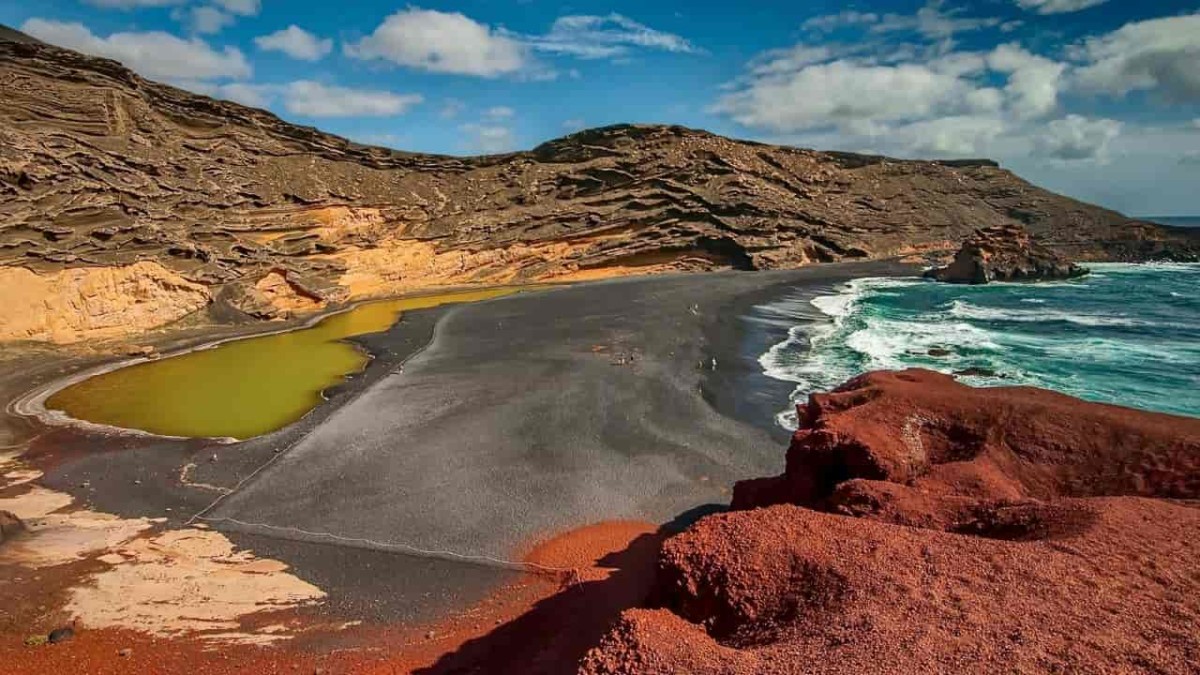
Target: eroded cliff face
{"points": [[101, 168], [93, 302]]}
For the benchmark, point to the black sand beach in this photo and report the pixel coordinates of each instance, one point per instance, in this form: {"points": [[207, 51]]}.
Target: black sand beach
{"points": [[477, 430]]}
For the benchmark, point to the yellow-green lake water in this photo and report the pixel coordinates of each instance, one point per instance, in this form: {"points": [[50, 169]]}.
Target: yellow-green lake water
{"points": [[243, 388]]}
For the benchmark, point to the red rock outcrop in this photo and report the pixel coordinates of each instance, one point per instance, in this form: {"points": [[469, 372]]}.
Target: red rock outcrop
{"points": [[927, 431], [1005, 253], [944, 529]]}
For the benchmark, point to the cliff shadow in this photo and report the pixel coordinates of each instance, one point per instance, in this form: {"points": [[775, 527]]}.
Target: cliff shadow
{"points": [[556, 633]]}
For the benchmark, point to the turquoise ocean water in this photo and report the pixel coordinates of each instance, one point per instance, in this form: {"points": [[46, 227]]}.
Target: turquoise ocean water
{"points": [[1125, 334]]}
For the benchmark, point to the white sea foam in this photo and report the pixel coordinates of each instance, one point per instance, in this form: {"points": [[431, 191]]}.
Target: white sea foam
{"points": [[1120, 346], [799, 358], [888, 344], [836, 306], [965, 310]]}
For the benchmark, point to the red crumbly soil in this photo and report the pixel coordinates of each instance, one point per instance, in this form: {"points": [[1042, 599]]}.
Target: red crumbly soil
{"points": [[542, 623], [612, 569], [941, 528]]}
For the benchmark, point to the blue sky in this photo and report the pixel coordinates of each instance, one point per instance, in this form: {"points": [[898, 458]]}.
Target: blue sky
{"points": [[1099, 99]]}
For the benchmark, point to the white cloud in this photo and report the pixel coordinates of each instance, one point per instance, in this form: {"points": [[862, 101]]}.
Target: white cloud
{"points": [[1076, 138], [1033, 81], [931, 22], [957, 136], [499, 112], [596, 37], [1146, 180], [791, 59], [830, 22], [1161, 55], [212, 18], [253, 95], [296, 43], [241, 7], [1057, 6], [314, 99], [441, 42], [155, 54], [131, 4], [912, 99], [488, 138], [205, 20], [451, 108], [844, 92]]}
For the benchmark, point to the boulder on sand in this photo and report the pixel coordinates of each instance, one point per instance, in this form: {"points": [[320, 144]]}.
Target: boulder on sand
{"points": [[1004, 253], [9, 525]]}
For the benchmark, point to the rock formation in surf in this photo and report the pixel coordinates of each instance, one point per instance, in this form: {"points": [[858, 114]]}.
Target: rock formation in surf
{"points": [[1005, 253], [925, 526], [100, 168]]}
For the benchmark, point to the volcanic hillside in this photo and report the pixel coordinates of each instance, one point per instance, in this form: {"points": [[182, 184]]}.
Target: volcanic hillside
{"points": [[126, 204]]}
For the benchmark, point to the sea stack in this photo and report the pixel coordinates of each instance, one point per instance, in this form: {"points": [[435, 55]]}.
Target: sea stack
{"points": [[1005, 253]]}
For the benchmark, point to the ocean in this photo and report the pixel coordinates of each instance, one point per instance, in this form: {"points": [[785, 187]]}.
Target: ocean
{"points": [[1177, 221], [1125, 334]]}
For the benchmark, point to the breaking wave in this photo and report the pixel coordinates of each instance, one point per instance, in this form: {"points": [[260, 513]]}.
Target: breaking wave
{"points": [[1129, 335]]}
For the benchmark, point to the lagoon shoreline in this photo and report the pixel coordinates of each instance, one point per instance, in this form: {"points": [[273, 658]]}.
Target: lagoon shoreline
{"points": [[676, 436]]}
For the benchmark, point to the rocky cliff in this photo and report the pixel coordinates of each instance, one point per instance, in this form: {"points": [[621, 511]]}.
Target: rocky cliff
{"points": [[100, 168]]}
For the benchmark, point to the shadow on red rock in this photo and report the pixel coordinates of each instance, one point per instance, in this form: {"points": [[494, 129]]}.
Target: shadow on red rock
{"points": [[555, 634]]}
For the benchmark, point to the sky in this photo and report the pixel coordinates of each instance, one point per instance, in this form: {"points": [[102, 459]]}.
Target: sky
{"points": [[1097, 99]]}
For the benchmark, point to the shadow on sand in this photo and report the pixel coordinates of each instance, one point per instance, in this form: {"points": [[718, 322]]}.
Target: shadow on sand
{"points": [[558, 631]]}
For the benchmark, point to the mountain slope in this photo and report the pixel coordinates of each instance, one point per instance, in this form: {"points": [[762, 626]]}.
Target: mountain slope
{"points": [[100, 169]]}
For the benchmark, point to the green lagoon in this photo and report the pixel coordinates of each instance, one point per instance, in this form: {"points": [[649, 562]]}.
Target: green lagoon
{"points": [[242, 388]]}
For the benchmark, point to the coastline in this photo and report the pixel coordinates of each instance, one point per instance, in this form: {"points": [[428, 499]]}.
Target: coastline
{"points": [[676, 425]]}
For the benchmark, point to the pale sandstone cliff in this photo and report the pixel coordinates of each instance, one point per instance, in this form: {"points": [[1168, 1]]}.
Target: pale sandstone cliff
{"points": [[93, 302]]}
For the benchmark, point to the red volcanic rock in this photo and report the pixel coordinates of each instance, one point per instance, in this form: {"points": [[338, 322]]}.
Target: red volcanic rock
{"points": [[948, 529], [926, 430], [790, 590]]}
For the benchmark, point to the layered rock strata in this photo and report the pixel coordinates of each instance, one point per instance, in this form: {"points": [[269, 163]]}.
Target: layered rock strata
{"points": [[100, 168]]}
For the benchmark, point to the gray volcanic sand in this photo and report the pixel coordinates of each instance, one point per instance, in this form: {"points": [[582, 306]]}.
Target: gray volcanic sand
{"points": [[511, 420], [526, 416]]}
